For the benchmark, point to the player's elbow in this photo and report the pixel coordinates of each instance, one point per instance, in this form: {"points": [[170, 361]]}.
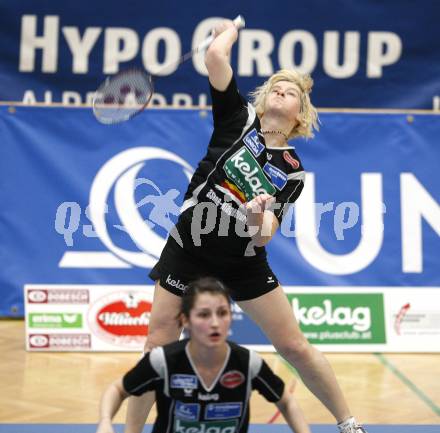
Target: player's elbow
{"points": [[214, 58]]}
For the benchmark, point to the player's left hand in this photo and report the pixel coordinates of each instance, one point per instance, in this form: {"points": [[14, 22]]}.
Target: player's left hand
{"points": [[260, 203]]}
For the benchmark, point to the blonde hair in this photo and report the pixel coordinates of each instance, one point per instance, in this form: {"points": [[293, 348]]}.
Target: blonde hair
{"points": [[308, 115]]}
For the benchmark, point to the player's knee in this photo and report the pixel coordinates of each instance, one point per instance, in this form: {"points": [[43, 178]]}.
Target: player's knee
{"points": [[159, 337], [149, 345], [295, 350], [161, 333]]}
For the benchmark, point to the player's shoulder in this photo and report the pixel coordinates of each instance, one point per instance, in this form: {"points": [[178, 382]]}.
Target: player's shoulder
{"points": [[236, 348], [248, 359], [174, 349]]}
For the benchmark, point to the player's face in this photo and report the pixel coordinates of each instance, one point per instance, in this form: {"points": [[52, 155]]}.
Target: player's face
{"points": [[284, 98], [209, 320]]}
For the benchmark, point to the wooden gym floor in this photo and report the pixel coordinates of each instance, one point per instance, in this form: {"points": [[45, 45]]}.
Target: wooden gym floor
{"points": [[44, 388]]}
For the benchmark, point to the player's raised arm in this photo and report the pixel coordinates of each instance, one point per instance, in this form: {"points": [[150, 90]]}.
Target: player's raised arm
{"points": [[217, 57]]}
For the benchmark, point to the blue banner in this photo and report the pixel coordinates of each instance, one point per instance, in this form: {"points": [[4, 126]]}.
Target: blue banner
{"points": [[84, 203], [360, 53]]}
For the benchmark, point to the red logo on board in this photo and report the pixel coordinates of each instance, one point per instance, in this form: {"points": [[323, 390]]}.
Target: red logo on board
{"points": [[119, 318], [122, 318], [290, 160], [232, 379]]}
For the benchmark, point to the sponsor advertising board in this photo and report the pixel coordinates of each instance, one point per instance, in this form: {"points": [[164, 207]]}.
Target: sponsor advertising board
{"points": [[335, 319], [58, 52], [92, 317]]}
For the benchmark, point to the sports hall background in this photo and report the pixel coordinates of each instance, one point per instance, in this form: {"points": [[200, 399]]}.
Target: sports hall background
{"points": [[85, 208]]}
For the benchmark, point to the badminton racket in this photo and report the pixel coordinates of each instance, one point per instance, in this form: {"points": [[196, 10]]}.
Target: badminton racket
{"points": [[124, 95]]}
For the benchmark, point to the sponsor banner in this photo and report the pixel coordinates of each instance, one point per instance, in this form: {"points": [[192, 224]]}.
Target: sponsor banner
{"points": [[413, 320], [335, 319], [357, 319], [115, 318], [340, 318], [60, 52]]}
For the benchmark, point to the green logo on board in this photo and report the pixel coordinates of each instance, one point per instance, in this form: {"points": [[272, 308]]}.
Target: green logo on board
{"points": [[55, 320], [342, 318]]}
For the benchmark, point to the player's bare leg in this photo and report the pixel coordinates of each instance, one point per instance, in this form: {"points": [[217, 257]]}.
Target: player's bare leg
{"points": [[273, 313]]}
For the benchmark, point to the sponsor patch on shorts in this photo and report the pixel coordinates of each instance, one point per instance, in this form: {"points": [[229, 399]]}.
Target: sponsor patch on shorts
{"points": [[176, 283]]}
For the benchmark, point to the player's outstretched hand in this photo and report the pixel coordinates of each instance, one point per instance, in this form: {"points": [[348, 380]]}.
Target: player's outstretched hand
{"points": [[222, 26]]}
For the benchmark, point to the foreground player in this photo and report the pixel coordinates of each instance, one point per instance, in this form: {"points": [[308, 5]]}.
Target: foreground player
{"points": [[204, 383], [234, 205]]}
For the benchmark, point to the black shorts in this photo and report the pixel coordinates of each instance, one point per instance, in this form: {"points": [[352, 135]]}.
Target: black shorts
{"points": [[246, 277]]}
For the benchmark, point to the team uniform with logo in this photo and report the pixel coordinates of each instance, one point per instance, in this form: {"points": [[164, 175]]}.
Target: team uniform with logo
{"points": [[210, 237], [186, 405]]}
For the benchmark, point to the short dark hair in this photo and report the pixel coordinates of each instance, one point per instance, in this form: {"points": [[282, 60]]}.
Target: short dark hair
{"points": [[202, 285]]}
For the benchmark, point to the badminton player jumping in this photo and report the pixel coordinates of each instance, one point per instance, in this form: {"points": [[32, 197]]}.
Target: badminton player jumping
{"points": [[234, 205]]}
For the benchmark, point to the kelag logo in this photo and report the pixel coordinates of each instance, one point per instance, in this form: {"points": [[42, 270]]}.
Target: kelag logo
{"points": [[345, 318], [244, 171], [181, 426]]}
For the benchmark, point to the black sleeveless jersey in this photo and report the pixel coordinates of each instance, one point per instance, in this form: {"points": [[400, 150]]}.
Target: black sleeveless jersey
{"points": [[237, 167], [186, 405]]}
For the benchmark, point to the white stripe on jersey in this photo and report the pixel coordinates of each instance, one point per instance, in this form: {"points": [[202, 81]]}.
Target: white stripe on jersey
{"points": [[170, 416], [268, 387], [158, 362], [131, 391], [255, 363], [299, 175]]}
